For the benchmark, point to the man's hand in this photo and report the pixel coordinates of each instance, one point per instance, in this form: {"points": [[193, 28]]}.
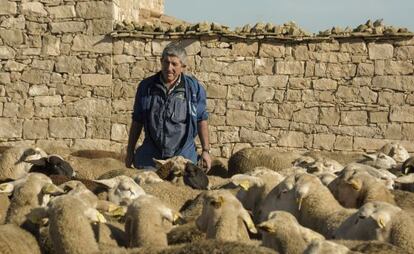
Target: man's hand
{"points": [[129, 158], [205, 161]]}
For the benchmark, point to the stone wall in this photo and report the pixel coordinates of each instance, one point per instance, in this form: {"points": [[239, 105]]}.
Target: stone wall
{"points": [[68, 79]]}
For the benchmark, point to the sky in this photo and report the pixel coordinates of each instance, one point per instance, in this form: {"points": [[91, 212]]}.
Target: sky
{"points": [[311, 15]]}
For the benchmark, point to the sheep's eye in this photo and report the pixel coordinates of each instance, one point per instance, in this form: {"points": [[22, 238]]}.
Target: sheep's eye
{"points": [[381, 156]]}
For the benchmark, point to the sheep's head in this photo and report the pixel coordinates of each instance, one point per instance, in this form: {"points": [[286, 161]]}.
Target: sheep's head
{"points": [[278, 219], [408, 166], [246, 181], [171, 168], [122, 189], [147, 177], [324, 165], [305, 184], [380, 160], [396, 151]]}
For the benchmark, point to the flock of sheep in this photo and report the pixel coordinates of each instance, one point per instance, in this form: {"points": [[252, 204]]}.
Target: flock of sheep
{"points": [[265, 201]]}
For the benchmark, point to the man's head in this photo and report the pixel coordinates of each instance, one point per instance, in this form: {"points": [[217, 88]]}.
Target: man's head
{"points": [[173, 62]]}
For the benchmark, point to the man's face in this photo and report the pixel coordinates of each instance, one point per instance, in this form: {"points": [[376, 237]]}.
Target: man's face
{"points": [[171, 68]]}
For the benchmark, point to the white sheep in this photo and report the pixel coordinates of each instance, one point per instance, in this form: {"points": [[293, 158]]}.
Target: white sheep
{"points": [[283, 233], [31, 192], [122, 189], [396, 151], [379, 160], [15, 240], [379, 173], [147, 222], [69, 225], [380, 221], [318, 209], [319, 247], [223, 217], [146, 177], [13, 162], [359, 188]]}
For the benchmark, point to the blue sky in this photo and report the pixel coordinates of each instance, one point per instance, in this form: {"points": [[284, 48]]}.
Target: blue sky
{"points": [[311, 15]]}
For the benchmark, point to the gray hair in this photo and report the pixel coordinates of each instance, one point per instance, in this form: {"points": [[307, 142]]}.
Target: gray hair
{"points": [[174, 49]]}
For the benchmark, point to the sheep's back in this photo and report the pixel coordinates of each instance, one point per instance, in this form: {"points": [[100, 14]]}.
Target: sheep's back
{"points": [[13, 239], [247, 159]]}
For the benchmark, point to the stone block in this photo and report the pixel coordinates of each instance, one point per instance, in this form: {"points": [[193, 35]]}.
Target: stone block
{"points": [[365, 69], [134, 48], [380, 51], [67, 27], [398, 67], [38, 90], [62, 12], [228, 136], [378, 117], [389, 98], [35, 9], [276, 81], [263, 94], [214, 52], [89, 107], [306, 115], [355, 48], [294, 95], [404, 53], [92, 144], [323, 141], [98, 128], [68, 64], [212, 65], [396, 83], [11, 109], [339, 71], [271, 50], [5, 78], [290, 68], [97, 44], [239, 68], [158, 46], [122, 59], [407, 131], [96, 79], [94, 9], [48, 101], [119, 132], [240, 92], [8, 8], [67, 127], [46, 65], [11, 128], [402, 114], [12, 65], [249, 80], [35, 129], [34, 76], [324, 84], [50, 46], [12, 37], [99, 26], [240, 118], [368, 144], [7, 52], [88, 65], [299, 83], [354, 118], [270, 110], [245, 49], [263, 66], [291, 139], [343, 143], [253, 137], [329, 116], [216, 91]]}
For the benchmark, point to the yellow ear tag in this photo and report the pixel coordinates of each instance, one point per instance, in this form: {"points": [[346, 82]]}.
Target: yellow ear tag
{"points": [[354, 185], [100, 218], [299, 201], [381, 223], [245, 185]]}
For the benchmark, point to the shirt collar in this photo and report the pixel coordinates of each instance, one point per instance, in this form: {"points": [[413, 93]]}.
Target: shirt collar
{"points": [[173, 86]]}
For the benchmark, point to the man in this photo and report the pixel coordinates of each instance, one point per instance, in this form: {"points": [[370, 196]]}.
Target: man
{"points": [[171, 107]]}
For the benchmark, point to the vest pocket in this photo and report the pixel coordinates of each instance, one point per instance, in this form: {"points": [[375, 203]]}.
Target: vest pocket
{"points": [[179, 114]]}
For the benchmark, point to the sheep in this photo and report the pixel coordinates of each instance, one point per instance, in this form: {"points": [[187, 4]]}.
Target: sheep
{"points": [[381, 174], [31, 192], [222, 217], [69, 227], [4, 206], [356, 189], [396, 151], [93, 168], [283, 233], [405, 182], [146, 177], [147, 222], [15, 240], [14, 161], [404, 200], [281, 197], [52, 165], [324, 217], [341, 157], [248, 158], [380, 221], [326, 178], [122, 189], [379, 160], [408, 166], [318, 165], [317, 247], [172, 168]]}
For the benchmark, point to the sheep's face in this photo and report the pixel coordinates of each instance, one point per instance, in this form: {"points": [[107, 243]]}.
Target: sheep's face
{"points": [[279, 221], [376, 216], [380, 160], [147, 177], [122, 189], [303, 161], [305, 184], [171, 168], [324, 165]]}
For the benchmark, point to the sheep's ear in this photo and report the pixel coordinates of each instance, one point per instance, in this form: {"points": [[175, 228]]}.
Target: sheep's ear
{"points": [[354, 184], [266, 227], [370, 156], [248, 221], [94, 215], [380, 222], [109, 183], [159, 163], [6, 188], [38, 215], [52, 189]]}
